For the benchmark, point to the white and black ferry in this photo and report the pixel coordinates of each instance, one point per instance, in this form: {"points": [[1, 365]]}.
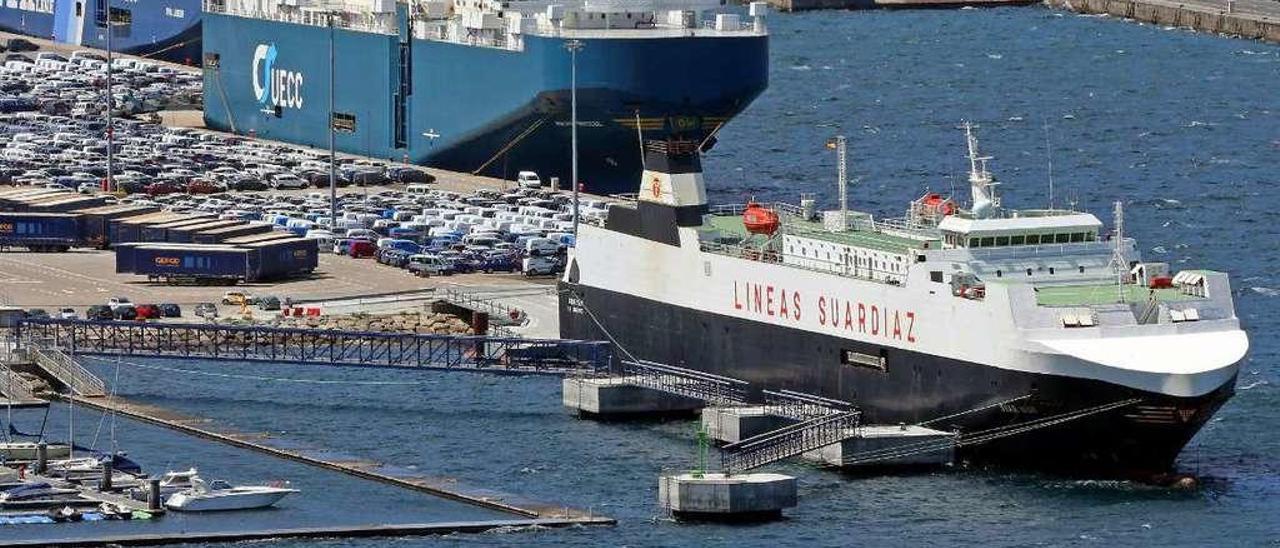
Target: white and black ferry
{"points": [[1033, 329]]}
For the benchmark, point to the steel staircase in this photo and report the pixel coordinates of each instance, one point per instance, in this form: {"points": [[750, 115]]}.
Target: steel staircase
{"points": [[814, 433]]}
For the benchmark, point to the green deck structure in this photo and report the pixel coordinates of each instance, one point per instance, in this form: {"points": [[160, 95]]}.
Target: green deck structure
{"points": [[732, 224], [1103, 293]]}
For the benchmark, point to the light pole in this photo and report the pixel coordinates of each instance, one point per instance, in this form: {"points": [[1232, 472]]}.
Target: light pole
{"points": [[574, 46], [333, 146], [111, 100]]}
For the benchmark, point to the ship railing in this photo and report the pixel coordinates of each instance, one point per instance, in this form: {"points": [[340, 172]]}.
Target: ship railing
{"points": [[383, 24], [813, 264], [789, 441]]}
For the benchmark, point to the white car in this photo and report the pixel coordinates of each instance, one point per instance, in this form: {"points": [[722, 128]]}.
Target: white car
{"points": [[286, 182], [540, 266], [528, 179], [116, 303], [68, 314]]}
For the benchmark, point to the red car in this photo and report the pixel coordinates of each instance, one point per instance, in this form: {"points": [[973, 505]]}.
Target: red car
{"points": [[201, 186], [362, 248], [148, 312], [156, 189]]}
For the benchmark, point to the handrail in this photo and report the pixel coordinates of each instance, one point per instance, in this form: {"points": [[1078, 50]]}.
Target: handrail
{"points": [[80, 380]]}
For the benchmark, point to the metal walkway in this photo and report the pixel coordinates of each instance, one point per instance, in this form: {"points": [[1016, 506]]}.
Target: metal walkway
{"points": [[61, 367], [820, 421], [316, 346], [789, 441]]}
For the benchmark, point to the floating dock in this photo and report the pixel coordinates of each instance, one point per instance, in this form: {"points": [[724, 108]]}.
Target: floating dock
{"points": [[1252, 19]]}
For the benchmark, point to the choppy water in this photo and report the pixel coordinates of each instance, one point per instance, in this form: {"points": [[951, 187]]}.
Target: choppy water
{"points": [[1184, 128]]}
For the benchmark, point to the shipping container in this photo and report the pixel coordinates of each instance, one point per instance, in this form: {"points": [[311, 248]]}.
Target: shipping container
{"points": [[160, 233], [26, 203], [95, 222], [188, 262], [129, 229], [273, 235], [272, 260], [183, 234], [9, 199], [39, 231], [69, 203], [125, 257], [227, 234]]}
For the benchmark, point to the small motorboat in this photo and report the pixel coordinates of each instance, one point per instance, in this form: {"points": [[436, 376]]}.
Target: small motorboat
{"points": [[171, 482], [219, 495]]}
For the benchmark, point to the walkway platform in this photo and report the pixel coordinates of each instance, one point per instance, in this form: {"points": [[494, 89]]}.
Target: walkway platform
{"points": [[620, 397], [440, 487], [405, 530], [879, 447]]}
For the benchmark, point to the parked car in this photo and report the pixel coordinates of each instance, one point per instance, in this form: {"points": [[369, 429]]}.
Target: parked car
{"points": [[362, 248], [528, 179], [68, 314], [118, 302], [237, 298], [125, 313], [540, 266], [148, 312], [269, 302], [429, 265], [99, 312], [170, 310], [206, 310], [37, 313]]}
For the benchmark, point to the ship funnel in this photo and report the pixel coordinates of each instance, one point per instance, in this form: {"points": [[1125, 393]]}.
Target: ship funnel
{"points": [[673, 174]]}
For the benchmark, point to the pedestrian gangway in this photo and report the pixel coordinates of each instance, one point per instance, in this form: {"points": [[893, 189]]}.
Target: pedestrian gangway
{"points": [[254, 343], [819, 421], [62, 368], [713, 389], [789, 441]]}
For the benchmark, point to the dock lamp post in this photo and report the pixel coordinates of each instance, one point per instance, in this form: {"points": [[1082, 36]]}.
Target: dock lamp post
{"points": [[111, 100], [574, 46], [333, 145]]}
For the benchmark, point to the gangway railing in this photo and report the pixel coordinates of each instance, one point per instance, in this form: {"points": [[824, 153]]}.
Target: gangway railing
{"points": [[321, 346], [59, 365], [15, 386], [800, 406], [789, 441], [498, 313], [711, 388]]}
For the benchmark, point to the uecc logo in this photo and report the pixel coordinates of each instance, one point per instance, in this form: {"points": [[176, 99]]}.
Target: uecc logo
{"points": [[273, 86]]}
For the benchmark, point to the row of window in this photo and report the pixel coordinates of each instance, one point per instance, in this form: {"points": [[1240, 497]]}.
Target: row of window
{"points": [[1021, 239]]}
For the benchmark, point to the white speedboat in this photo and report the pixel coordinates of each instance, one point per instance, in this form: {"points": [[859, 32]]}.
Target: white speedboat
{"points": [[171, 482], [37, 491], [220, 495]]}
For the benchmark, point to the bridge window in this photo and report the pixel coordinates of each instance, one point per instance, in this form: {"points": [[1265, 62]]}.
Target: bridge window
{"points": [[1077, 237], [1062, 238], [988, 241], [1033, 239], [1017, 240], [973, 242], [1002, 241], [1090, 237]]}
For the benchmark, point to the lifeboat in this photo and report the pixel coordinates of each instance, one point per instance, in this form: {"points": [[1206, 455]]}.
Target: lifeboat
{"points": [[935, 203], [760, 220]]}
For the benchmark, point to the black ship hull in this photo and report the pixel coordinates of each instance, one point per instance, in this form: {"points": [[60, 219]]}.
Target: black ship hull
{"points": [[1141, 438]]}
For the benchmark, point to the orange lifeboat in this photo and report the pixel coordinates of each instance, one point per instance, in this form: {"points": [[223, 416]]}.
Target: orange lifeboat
{"points": [[760, 220], [935, 203]]}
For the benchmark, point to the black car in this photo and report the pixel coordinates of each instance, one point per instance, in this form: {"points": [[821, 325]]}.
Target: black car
{"points": [[18, 44], [269, 302], [37, 313], [170, 310], [247, 184], [99, 312], [126, 313], [409, 175]]}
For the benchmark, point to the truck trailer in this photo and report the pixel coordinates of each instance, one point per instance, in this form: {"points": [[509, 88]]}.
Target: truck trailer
{"points": [[40, 231]]}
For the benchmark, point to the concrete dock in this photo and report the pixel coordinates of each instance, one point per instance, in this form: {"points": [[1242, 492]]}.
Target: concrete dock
{"points": [[805, 5], [440, 487], [1251, 19]]}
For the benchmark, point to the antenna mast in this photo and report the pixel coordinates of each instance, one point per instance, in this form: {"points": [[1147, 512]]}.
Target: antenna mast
{"points": [[981, 184], [842, 177], [1117, 258]]}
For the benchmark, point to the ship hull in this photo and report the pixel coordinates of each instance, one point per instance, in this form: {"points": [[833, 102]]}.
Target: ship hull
{"points": [[482, 110], [26, 22], [1137, 440], [166, 30]]}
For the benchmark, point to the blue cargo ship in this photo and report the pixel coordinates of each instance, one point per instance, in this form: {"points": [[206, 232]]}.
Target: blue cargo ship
{"points": [[484, 87], [29, 17], [168, 30]]}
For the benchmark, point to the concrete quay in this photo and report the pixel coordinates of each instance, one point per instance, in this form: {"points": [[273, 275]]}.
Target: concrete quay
{"points": [[806, 5], [1250, 19], [618, 397], [721, 497]]}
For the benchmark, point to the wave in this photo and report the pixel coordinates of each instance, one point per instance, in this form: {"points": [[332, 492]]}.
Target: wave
{"points": [[1269, 292]]}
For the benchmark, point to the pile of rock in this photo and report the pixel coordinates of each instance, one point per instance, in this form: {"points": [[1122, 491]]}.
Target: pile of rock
{"points": [[403, 322]]}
